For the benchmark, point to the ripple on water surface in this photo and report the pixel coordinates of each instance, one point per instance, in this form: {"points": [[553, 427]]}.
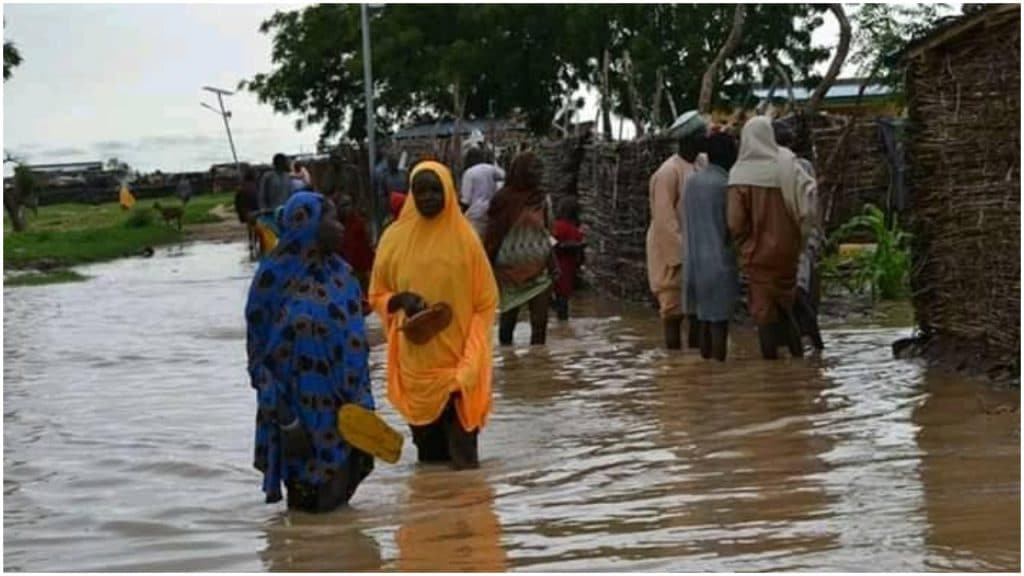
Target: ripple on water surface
{"points": [[128, 440]]}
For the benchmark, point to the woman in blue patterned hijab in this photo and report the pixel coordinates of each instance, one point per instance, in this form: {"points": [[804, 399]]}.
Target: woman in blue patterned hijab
{"points": [[308, 355]]}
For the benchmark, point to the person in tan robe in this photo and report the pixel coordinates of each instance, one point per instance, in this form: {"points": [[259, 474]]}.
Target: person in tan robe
{"points": [[665, 244], [769, 219]]}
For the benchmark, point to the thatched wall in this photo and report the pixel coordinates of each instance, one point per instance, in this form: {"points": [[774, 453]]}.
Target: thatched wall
{"points": [[613, 193], [964, 157], [850, 160], [613, 187], [852, 170], [561, 160]]}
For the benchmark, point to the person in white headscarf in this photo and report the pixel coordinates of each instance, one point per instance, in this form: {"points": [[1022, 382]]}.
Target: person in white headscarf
{"points": [[770, 220]]}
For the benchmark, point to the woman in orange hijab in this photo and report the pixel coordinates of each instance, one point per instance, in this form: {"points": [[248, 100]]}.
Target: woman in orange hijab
{"points": [[430, 255]]}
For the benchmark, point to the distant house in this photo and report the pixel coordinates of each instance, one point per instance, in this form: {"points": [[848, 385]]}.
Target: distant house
{"points": [[963, 149], [68, 173], [841, 98], [435, 139], [446, 129]]}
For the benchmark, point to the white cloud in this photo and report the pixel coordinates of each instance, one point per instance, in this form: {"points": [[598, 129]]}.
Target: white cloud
{"points": [[125, 80]]}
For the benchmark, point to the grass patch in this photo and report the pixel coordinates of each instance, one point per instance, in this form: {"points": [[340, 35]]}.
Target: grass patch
{"points": [[70, 247], [140, 218], [60, 217], [70, 234], [59, 276], [207, 218]]}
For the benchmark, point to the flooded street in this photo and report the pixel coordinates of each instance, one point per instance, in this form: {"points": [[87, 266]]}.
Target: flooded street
{"points": [[128, 446]]}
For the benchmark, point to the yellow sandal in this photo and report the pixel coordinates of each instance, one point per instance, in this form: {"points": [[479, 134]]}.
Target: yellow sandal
{"points": [[367, 431]]}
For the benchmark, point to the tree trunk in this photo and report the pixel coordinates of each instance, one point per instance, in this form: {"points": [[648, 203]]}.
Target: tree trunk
{"points": [[762, 106], [814, 102], [563, 115], [671, 104], [656, 104], [606, 116], [864, 83], [13, 209], [569, 113], [635, 104], [707, 84], [780, 70], [456, 140]]}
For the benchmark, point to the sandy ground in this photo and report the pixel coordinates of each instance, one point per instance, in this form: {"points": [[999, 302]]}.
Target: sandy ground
{"points": [[229, 230]]}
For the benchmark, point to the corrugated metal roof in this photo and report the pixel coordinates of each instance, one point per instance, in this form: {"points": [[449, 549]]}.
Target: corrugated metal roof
{"points": [[447, 128], [66, 167], [836, 92]]}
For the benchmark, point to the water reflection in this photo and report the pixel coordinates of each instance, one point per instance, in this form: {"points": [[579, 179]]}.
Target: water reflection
{"points": [[746, 435], [448, 523], [299, 542]]}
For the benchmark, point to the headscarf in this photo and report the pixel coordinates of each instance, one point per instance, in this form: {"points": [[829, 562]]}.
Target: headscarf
{"points": [[442, 260], [764, 163], [307, 347], [509, 202]]}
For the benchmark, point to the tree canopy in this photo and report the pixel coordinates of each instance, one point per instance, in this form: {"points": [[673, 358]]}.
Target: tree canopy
{"points": [[434, 60], [883, 30], [12, 58]]}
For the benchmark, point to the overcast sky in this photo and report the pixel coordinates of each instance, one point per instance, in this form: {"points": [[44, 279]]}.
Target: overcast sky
{"points": [[125, 80], [104, 80]]}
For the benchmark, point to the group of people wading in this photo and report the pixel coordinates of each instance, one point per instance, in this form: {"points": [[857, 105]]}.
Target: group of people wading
{"points": [[443, 270], [437, 283], [715, 210]]}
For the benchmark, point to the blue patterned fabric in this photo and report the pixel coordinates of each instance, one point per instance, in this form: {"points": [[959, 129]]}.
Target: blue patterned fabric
{"points": [[307, 348]]}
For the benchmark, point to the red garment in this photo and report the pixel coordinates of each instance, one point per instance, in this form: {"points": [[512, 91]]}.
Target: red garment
{"points": [[568, 259], [397, 201], [355, 244]]}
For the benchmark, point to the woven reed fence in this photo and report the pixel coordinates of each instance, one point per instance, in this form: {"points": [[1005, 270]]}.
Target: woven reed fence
{"points": [[852, 170], [614, 197], [561, 161], [964, 156]]}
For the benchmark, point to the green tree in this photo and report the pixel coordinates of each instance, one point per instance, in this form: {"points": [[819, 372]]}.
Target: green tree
{"points": [[428, 61], [675, 43], [119, 168], [434, 60], [21, 194], [12, 58], [883, 31]]}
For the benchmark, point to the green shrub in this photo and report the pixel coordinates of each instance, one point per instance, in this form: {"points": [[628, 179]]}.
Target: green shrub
{"points": [[886, 270], [140, 217]]}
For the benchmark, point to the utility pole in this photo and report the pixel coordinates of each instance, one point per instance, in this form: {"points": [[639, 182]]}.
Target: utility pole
{"points": [[371, 128], [224, 115]]}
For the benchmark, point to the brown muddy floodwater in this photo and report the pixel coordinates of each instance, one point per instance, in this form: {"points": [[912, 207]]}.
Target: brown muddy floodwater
{"points": [[128, 440]]}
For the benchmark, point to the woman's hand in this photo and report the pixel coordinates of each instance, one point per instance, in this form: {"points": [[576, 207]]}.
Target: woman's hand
{"points": [[409, 302]]}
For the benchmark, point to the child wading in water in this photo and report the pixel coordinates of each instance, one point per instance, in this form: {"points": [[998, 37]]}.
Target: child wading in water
{"points": [[568, 252]]}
